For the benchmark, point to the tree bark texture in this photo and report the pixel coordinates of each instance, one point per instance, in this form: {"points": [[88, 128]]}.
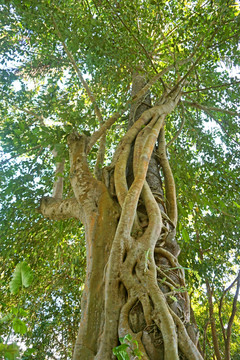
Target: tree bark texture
{"points": [[134, 283]]}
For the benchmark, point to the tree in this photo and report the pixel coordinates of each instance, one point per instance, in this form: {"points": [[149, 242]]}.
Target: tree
{"points": [[112, 92]]}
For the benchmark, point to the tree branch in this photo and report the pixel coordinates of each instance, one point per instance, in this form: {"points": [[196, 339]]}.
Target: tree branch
{"points": [[86, 188], [32, 113], [29, 112], [3, 162], [181, 22], [101, 151], [227, 336], [210, 108], [135, 38], [179, 130], [100, 157], [76, 68], [170, 188], [212, 87], [185, 343], [105, 126], [57, 209], [208, 112], [205, 337], [230, 322], [192, 67], [58, 183], [212, 321]]}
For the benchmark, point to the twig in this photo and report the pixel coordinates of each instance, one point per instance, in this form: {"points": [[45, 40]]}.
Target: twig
{"points": [[208, 112], [211, 108], [101, 151], [32, 113], [180, 129], [182, 80], [3, 162], [105, 126], [29, 112], [76, 68], [135, 38], [181, 22], [212, 87], [168, 179]]}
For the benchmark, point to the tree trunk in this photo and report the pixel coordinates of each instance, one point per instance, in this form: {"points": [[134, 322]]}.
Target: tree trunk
{"points": [[134, 283], [212, 322]]}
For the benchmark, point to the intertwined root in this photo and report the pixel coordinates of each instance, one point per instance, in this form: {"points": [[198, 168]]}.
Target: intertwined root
{"points": [[143, 269]]}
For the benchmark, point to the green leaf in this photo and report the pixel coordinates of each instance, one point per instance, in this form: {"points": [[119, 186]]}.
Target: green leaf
{"points": [[185, 235], [22, 277], [19, 326], [135, 343], [10, 352], [190, 204], [29, 352], [120, 348], [22, 312], [129, 336], [138, 353], [14, 310], [2, 348], [124, 356], [237, 205], [120, 352], [6, 318], [121, 340], [173, 298]]}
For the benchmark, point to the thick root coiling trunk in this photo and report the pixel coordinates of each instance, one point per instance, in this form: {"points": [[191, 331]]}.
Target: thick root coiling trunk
{"points": [[134, 283], [144, 252]]}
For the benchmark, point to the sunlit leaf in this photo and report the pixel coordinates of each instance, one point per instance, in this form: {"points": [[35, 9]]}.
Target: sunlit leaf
{"points": [[22, 277]]}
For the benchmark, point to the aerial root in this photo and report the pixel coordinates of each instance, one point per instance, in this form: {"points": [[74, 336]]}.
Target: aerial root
{"points": [[170, 188], [186, 345], [132, 258]]}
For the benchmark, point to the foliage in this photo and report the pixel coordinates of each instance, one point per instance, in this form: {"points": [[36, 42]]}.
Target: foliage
{"points": [[42, 101], [10, 352], [128, 344], [22, 277]]}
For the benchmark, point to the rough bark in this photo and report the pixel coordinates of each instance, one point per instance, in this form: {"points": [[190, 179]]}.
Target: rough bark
{"points": [[134, 283]]}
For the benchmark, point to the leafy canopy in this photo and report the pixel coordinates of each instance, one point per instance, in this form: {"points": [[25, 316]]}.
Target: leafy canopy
{"points": [[43, 43]]}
